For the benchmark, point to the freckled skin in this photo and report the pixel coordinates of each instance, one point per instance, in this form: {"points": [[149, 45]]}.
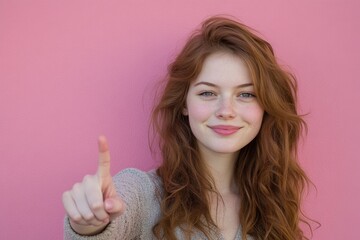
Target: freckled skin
{"points": [[214, 98]]}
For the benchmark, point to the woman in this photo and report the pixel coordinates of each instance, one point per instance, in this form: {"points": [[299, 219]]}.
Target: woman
{"points": [[228, 131]]}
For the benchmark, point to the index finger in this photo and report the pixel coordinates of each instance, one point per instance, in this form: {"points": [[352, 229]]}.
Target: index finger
{"points": [[104, 157]]}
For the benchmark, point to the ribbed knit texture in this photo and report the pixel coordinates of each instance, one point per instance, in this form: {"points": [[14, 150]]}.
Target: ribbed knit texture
{"points": [[138, 191]]}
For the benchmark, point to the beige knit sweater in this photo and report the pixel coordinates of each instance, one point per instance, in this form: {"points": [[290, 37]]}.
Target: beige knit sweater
{"points": [[137, 189]]}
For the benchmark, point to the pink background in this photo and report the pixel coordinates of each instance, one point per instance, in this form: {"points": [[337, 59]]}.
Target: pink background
{"points": [[71, 70]]}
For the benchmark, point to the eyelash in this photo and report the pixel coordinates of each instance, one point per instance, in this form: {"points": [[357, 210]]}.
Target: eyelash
{"points": [[206, 94], [249, 95]]}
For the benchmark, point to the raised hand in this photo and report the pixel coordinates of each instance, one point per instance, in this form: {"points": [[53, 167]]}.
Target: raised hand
{"points": [[93, 203]]}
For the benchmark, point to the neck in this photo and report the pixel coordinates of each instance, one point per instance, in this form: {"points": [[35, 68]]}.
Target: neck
{"points": [[221, 167]]}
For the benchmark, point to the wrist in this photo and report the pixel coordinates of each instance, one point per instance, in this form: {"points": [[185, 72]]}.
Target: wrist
{"points": [[87, 230]]}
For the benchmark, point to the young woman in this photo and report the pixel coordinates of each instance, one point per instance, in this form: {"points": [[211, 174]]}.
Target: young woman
{"points": [[228, 130]]}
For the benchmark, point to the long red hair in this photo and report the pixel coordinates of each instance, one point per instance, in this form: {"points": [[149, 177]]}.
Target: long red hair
{"points": [[268, 176]]}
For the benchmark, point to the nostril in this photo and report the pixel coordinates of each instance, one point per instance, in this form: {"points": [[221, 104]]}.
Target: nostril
{"points": [[226, 110]]}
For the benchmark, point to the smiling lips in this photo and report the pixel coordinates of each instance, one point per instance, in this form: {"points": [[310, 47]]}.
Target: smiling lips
{"points": [[224, 129]]}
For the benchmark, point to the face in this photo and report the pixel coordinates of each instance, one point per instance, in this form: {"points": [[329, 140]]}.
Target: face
{"points": [[221, 105]]}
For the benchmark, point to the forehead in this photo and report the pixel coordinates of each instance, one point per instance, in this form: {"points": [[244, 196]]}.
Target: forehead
{"points": [[224, 69]]}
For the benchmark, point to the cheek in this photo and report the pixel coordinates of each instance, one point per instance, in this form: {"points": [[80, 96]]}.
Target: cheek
{"points": [[253, 114], [199, 111]]}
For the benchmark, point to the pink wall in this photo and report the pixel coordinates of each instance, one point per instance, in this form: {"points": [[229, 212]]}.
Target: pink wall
{"points": [[70, 70]]}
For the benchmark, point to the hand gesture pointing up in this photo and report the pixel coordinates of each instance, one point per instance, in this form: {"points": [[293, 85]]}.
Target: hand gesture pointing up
{"points": [[93, 203]]}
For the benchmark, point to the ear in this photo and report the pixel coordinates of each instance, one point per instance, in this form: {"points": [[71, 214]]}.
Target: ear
{"points": [[185, 111]]}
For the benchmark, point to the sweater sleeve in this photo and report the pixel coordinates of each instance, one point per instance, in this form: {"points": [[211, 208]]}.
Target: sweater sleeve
{"points": [[136, 189]]}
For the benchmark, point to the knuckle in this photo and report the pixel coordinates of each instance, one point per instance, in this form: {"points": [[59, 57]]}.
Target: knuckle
{"points": [[76, 187], [87, 178], [89, 217], [96, 206], [65, 196], [79, 221], [76, 218]]}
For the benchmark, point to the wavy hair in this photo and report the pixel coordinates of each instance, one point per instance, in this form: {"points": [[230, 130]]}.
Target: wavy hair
{"points": [[268, 176]]}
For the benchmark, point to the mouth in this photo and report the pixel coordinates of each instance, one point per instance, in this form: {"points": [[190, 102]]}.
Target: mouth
{"points": [[225, 130]]}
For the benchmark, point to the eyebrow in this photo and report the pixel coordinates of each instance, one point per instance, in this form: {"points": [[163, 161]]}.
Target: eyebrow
{"points": [[216, 86]]}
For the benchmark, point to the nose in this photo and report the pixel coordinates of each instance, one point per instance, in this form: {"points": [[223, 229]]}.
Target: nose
{"points": [[226, 109]]}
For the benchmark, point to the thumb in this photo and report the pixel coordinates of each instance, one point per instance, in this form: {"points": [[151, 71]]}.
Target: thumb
{"points": [[103, 170], [114, 206]]}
